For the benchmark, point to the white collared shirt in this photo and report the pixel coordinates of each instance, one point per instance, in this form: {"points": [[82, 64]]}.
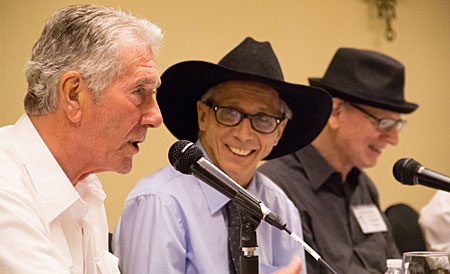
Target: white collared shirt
{"points": [[435, 222], [46, 224]]}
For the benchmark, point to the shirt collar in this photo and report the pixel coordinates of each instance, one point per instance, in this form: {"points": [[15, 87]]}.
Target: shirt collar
{"points": [[54, 189], [214, 198], [316, 167]]}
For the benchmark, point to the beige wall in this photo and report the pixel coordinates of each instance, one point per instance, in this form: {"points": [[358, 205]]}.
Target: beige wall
{"points": [[304, 33]]}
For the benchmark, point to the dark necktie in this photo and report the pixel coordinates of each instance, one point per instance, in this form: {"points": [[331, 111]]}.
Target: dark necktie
{"points": [[234, 225]]}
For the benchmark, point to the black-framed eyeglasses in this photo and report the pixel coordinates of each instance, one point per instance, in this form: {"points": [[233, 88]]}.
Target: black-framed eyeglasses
{"points": [[230, 117], [383, 125]]}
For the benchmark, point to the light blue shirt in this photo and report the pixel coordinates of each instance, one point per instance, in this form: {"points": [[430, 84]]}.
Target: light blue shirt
{"points": [[175, 223]]}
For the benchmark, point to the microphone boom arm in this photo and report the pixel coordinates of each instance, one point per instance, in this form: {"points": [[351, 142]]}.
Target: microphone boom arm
{"points": [[187, 158], [240, 198], [432, 179]]}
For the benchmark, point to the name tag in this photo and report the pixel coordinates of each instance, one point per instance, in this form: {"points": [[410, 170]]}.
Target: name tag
{"points": [[369, 219]]}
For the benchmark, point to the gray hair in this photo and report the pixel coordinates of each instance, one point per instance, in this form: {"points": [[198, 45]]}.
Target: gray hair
{"points": [[284, 108], [83, 38]]}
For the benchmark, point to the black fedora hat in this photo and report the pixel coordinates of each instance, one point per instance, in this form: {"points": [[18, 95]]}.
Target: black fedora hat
{"points": [[184, 83], [366, 77]]}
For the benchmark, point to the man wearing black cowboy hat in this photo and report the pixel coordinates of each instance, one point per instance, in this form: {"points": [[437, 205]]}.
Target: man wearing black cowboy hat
{"points": [[325, 181], [236, 112]]}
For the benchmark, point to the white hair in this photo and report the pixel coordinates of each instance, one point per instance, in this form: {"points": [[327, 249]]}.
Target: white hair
{"points": [[83, 38]]}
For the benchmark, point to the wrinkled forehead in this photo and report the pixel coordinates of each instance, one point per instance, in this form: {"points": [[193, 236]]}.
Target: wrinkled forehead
{"points": [[134, 56]]}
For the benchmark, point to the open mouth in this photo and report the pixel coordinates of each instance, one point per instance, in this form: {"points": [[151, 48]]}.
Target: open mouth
{"points": [[240, 152], [135, 144]]}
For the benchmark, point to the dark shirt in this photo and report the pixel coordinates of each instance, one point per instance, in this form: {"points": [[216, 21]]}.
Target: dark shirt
{"points": [[329, 225]]}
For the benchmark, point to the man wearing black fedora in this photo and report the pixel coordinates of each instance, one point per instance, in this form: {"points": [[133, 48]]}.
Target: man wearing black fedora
{"points": [[239, 112], [325, 181]]}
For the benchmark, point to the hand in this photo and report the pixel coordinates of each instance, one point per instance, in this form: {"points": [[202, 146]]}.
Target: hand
{"points": [[294, 267]]}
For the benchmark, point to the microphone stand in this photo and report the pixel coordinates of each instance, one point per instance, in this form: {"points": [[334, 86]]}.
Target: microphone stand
{"points": [[188, 159], [248, 260]]}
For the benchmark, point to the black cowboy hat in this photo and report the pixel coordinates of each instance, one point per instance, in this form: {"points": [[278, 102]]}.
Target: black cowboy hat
{"points": [[184, 83], [366, 77]]}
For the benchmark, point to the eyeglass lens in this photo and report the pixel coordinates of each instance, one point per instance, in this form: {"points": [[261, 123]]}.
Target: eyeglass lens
{"points": [[232, 117], [383, 124], [386, 125]]}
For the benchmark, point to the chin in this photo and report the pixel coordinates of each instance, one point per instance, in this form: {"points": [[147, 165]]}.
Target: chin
{"points": [[239, 175], [124, 167], [369, 164]]}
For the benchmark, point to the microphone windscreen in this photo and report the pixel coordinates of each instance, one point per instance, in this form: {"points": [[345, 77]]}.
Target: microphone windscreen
{"points": [[405, 169], [182, 154]]}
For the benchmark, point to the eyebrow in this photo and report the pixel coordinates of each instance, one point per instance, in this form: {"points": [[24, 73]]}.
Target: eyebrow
{"points": [[149, 82]]}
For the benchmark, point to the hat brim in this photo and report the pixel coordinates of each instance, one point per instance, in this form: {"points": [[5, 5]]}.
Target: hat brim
{"points": [[184, 83], [352, 95]]}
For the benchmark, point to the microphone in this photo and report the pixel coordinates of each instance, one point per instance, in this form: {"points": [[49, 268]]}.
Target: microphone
{"points": [[410, 172], [187, 158]]}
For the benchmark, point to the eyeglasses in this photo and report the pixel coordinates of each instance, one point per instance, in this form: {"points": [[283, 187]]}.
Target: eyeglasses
{"points": [[383, 125], [231, 117]]}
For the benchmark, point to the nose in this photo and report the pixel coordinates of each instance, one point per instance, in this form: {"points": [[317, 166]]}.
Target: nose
{"points": [[391, 136], [244, 130], [151, 114]]}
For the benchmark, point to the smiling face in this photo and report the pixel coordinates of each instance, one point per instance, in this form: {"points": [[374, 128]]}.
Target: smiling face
{"points": [[113, 128], [359, 142], [237, 150]]}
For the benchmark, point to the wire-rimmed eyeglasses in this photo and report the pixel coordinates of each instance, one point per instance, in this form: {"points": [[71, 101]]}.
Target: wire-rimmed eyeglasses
{"points": [[230, 117], [383, 125]]}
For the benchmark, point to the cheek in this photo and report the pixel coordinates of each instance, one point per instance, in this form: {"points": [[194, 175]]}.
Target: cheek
{"points": [[124, 117], [365, 133], [212, 130], [348, 140], [214, 140], [267, 144]]}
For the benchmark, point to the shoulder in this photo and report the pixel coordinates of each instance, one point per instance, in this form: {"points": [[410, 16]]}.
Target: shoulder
{"points": [[9, 160], [287, 172], [269, 186], [165, 184], [442, 197], [5, 131], [278, 164], [283, 168], [14, 177], [440, 202], [272, 194], [19, 200]]}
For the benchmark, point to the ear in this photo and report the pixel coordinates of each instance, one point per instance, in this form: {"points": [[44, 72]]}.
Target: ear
{"points": [[336, 113], [201, 115], [70, 87], [279, 131]]}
